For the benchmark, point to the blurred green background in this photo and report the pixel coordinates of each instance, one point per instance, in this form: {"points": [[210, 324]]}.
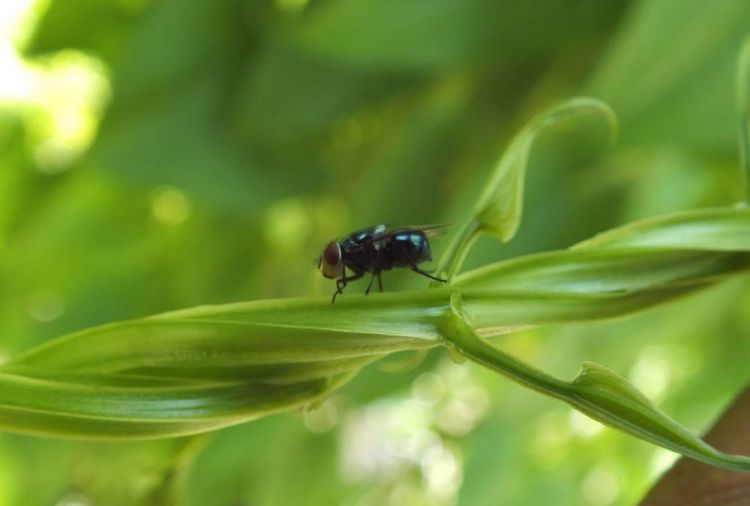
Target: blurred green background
{"points": [[162, 155]]}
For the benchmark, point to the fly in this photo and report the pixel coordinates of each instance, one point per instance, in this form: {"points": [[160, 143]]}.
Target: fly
{"points": [[374, 250]]}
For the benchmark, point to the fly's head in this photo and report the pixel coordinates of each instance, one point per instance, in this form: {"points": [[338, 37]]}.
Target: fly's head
{"points": [[330, 262]]}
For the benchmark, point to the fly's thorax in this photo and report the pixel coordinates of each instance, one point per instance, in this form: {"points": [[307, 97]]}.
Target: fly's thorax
{"points": [[362, 250]]}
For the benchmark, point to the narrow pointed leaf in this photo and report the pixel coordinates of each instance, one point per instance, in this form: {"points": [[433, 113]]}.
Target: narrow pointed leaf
{"points": [[79, 407]]}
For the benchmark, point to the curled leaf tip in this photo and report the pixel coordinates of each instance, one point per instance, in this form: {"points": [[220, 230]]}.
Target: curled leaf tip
{"points": [[609, 398], [499, 207]]}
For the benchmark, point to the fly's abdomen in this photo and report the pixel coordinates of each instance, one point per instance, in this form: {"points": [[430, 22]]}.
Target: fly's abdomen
{"points": [[407, 248]]}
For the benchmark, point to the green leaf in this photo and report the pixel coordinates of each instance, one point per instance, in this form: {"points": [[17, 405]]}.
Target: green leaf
{"points": [[186, 93], [649, 74], [260, 333], [68, 25], [398, 34], [273, 112], [615, 273], [718, 229], [76, 406], [432, 36]]}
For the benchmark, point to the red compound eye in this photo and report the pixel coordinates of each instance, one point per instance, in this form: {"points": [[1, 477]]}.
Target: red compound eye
{"points": [[332, 254], [330, 262]]}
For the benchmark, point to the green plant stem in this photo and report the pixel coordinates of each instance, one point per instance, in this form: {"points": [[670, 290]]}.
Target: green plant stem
{"points": [[172, 489], [596, 392], [459, 247]]}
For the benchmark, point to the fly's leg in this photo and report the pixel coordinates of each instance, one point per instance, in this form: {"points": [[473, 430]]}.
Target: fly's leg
{"points": [[376, 273], [340, 284], [343, 281], [369, 287], [423, 273]]}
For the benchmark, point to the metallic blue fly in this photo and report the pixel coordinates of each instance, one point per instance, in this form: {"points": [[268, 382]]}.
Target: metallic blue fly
{"points": [[377, 249]]}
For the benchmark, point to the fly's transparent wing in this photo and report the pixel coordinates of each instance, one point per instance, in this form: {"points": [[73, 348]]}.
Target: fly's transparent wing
{"points": [[430, 231]]}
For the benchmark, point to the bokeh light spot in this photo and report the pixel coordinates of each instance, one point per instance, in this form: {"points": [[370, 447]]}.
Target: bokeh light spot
{"points": [[442, 472], [582, 425], [18, 81], [323, 418], [662, 460], [46, 305], [17, 17], [429, 388], [62, 94], [551, 441], [287, 224], [52, 156], [291, 6], [600, 487], [75, 499], [170, 206], [653, 372]]}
